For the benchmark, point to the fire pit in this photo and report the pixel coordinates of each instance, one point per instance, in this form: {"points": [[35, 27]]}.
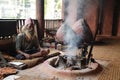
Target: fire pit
{"points": [[62, 68], [76, 60]]}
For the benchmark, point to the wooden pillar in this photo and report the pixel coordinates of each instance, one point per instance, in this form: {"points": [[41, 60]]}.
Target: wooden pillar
{"points": [[108, 18], [115, 18], [119, 22], [40, 17]]}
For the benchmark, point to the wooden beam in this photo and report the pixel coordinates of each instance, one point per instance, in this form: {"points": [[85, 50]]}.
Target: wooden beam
{"points": [[40, 17]]}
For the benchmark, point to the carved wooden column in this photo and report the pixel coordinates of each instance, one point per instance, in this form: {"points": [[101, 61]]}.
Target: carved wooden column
{"points": [[40, 17]]}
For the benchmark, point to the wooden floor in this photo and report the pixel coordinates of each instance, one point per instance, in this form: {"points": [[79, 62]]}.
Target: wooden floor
{"points": [[108, 49]]}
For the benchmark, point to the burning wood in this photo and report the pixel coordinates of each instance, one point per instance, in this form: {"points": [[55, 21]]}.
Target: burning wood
{"points": [[75, 62]]}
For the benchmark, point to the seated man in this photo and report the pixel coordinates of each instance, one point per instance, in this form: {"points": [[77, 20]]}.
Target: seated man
{"points": [[27, 44]]}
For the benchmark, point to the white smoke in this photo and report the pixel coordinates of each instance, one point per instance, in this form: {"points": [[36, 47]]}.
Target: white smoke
{"points": [[71, 15], [74, 10]]}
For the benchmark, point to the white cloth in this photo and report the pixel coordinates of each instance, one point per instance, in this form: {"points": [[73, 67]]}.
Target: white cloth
{"points": [[11, 77]]}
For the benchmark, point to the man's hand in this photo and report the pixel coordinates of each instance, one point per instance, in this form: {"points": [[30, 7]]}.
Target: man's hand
{"points": [[27, 56], [45, 52]]}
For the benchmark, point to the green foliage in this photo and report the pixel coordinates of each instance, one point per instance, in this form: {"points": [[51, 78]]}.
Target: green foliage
{"points": [[45, 6]]}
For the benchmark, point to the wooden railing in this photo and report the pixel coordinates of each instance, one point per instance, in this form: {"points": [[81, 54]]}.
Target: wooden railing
{"points": [[53, 23], [50, 24]]}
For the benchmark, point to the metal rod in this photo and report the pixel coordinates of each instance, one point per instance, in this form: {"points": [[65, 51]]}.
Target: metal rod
{"points": [[98, 23]]}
